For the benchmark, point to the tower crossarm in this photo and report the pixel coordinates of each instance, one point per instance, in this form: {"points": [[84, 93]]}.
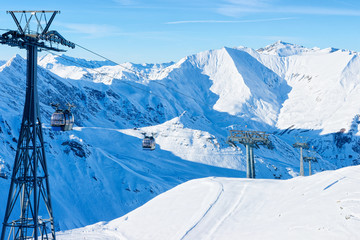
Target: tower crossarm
{"points": [[303, 145], [33, 29], [253, 138], [54, 36], [312, 159], [249, 139]]}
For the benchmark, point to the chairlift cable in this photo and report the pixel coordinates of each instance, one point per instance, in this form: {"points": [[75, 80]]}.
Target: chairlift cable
{"points": [[137, 73], [131, 70]]}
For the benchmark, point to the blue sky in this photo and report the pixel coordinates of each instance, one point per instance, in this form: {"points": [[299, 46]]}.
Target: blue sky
{"points": [[157, 31]]}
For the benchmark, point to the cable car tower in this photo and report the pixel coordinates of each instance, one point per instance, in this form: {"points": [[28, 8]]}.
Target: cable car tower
{"points": [[29, 213]]}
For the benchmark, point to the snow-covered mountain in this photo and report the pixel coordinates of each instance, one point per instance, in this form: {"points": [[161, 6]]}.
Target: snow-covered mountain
{"points": [[323, 206], [99, 172]]}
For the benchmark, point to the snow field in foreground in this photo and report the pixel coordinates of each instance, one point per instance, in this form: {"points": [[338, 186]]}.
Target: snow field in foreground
{"points": [[322, 206]]}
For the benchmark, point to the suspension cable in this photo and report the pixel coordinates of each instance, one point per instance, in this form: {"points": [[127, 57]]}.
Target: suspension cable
{"points": [[108, 75], [137, 73]]}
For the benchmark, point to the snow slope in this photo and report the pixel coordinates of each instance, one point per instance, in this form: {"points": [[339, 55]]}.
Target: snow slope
{"points": [[324, 85], [322, 206]]}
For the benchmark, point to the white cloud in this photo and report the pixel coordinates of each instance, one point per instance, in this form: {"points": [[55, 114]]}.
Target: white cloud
{"points": [[238, 7], [91, 30], [321, 11], [234, 21], [126, 2], [250, 3]]}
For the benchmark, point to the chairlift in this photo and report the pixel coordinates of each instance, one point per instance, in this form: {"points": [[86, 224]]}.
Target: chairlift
{"points": [[148, 143], [62, 120]]}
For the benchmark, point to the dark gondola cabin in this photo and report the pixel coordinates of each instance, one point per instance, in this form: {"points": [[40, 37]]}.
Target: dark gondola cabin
{"points": [[3, 174], [62, 120], [148, 143]]}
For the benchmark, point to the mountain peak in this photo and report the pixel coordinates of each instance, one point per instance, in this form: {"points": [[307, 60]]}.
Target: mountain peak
{"points": [[279, 42], [16, 61], [282, 49], [71, 61], [16, 58]]}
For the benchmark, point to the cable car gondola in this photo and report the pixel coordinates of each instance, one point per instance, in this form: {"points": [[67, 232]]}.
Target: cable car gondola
{"points": [[62, 120], [3, 174], [148, 143]]}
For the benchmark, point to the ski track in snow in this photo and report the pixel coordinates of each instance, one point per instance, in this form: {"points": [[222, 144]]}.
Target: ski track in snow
{"points": [[330, 185], [231, 211], [222, 218], [221, 191]]}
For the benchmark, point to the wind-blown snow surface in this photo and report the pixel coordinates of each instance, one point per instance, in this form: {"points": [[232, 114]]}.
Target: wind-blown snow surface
{"points": [[99, 172], [323, 206]]}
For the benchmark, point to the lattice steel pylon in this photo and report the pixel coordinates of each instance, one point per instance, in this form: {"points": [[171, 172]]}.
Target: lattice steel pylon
{"points": [[29, 182]]}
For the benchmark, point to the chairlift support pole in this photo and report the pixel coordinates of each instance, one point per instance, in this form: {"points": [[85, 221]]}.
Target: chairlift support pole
{"points": [[29, 185], [310, 159], [248, 161], [249, 139], [252, 162], [301, 145], [301, 162]]}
